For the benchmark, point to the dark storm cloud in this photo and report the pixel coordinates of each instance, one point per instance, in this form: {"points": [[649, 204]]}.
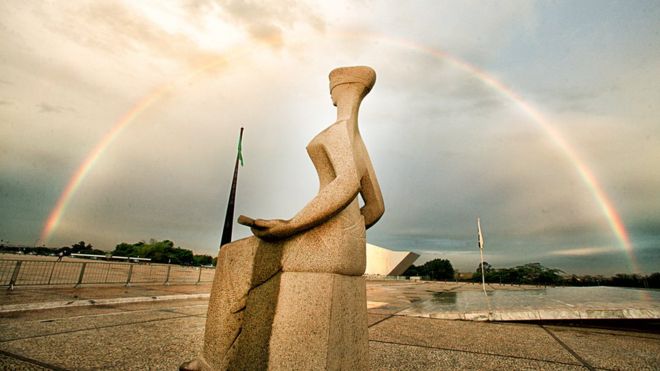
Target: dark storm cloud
{"points": [[437, 90], [576, 98], [416, 240], [647, 226]]}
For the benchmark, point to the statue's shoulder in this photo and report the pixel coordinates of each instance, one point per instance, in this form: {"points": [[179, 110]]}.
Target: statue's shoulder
{"points": [[333, 130]]}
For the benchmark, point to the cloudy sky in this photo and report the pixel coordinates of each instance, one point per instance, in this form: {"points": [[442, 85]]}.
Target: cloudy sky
{"points": [[542, 118]]}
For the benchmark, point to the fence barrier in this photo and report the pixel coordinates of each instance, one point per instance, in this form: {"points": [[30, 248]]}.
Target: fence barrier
{"points": [[50, 272]]}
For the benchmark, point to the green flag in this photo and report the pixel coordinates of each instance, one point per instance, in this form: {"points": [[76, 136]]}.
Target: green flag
{"points": [[240, 153]]}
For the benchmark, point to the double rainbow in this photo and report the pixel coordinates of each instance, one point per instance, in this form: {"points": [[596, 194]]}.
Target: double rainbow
{"points": [[588, 177]]}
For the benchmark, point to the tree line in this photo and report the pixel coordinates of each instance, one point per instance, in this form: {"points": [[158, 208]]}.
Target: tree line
{"points": [[530, 274], [161, 252], [436, 269], [537, 274], [158, 251]]}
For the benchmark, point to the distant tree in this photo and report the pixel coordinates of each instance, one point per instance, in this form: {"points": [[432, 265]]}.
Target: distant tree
{"points": [[438, 269], [491, 274], [65, 250], [487, 268], [531, 273], [158, 251], [654, 280], [412, 271], [80, 246], [124, 249], [202, 260], [627, 280], [535, 273], [550, 276], [620, 279], [509, 275]]}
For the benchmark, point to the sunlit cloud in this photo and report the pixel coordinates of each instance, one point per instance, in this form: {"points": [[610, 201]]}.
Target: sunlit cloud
{"points": [[210, 29], [586, 251], [264, 22]]}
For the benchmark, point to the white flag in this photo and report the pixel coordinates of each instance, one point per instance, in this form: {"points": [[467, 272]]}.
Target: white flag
{"points": [[480, 241]]}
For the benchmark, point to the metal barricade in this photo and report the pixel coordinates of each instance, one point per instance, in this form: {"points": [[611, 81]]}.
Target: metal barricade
{"points": [[7, 268], [51, 272]]}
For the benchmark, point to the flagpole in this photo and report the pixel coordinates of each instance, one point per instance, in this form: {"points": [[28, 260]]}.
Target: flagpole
{"points": [[481, 252], [229, 217]]}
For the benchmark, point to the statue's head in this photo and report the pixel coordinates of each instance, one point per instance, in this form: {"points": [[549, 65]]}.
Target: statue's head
{"points": [[359, 79]]}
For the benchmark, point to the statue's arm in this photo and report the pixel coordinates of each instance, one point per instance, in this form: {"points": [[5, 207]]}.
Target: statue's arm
{"points": [[330, 200], [336, 195], [374, 207]]}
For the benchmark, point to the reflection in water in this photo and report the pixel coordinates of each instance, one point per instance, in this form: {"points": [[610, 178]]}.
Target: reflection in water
{"points": [[548, 298], [447, 298]]}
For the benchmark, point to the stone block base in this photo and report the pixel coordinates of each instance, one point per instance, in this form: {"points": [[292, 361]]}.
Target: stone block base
{"points": [[320, 323], [261, 318]]}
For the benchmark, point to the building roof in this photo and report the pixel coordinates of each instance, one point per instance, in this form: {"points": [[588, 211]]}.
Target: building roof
{"points": [[385, 262]]}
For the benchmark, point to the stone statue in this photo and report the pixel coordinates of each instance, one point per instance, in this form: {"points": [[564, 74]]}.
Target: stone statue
{"points": [[293, 296]]}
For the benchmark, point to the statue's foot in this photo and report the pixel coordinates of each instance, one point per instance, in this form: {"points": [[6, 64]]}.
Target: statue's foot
{"points": [[194, 365]]}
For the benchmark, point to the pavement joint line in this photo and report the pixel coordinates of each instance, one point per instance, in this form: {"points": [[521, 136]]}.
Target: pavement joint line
{"points": [[601, 331], [498, 323], [32, 361], [121, 311], [386, 318], [173, 311], [128, 310], [591, 332], [97, 328], [573, 353], [86, 302], [473, 352], [195, 315]]}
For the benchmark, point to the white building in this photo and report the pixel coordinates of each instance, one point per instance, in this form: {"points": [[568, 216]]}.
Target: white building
{"points": [[384, 262]]}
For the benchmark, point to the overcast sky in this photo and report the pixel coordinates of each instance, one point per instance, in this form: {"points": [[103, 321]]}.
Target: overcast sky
{"points": [[447, 146]]}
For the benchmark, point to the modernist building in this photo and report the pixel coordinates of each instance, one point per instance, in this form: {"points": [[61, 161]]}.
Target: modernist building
{"points": [[384, 262]]}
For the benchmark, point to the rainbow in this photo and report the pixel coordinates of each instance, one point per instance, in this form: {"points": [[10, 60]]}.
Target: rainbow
{"points": [[92, 157], [588, 177]]}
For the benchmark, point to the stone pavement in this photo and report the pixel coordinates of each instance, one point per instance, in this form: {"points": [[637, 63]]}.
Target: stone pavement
{"points": [[21, 298], [160, 334]]}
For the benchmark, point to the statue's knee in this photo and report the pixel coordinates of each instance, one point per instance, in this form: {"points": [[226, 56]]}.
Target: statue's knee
{"points": [[240, 249]]}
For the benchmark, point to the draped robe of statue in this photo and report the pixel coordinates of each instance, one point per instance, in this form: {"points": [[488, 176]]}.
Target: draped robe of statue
{"points": [[293, 295]]}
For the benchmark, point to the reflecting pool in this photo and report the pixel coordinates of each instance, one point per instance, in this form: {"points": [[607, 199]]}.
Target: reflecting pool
{"points": [[542, 303]]}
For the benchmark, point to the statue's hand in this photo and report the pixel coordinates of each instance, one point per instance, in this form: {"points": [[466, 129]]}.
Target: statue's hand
{"points": [[246, 220], [270, 230]]}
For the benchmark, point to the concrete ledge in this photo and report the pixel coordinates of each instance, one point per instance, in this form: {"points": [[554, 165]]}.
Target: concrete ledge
{"points": [[375, 304], [536, 315]]}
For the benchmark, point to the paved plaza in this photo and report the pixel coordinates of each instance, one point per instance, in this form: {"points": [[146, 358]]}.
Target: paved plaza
{"points": [[158, 327]]}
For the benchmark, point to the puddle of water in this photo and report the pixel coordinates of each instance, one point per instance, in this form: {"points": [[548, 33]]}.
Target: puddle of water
{"points": [[542, 298], [446, 298]]}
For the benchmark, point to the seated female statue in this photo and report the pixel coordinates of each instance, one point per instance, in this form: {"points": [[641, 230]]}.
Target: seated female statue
{"points": [[326, 236]]}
